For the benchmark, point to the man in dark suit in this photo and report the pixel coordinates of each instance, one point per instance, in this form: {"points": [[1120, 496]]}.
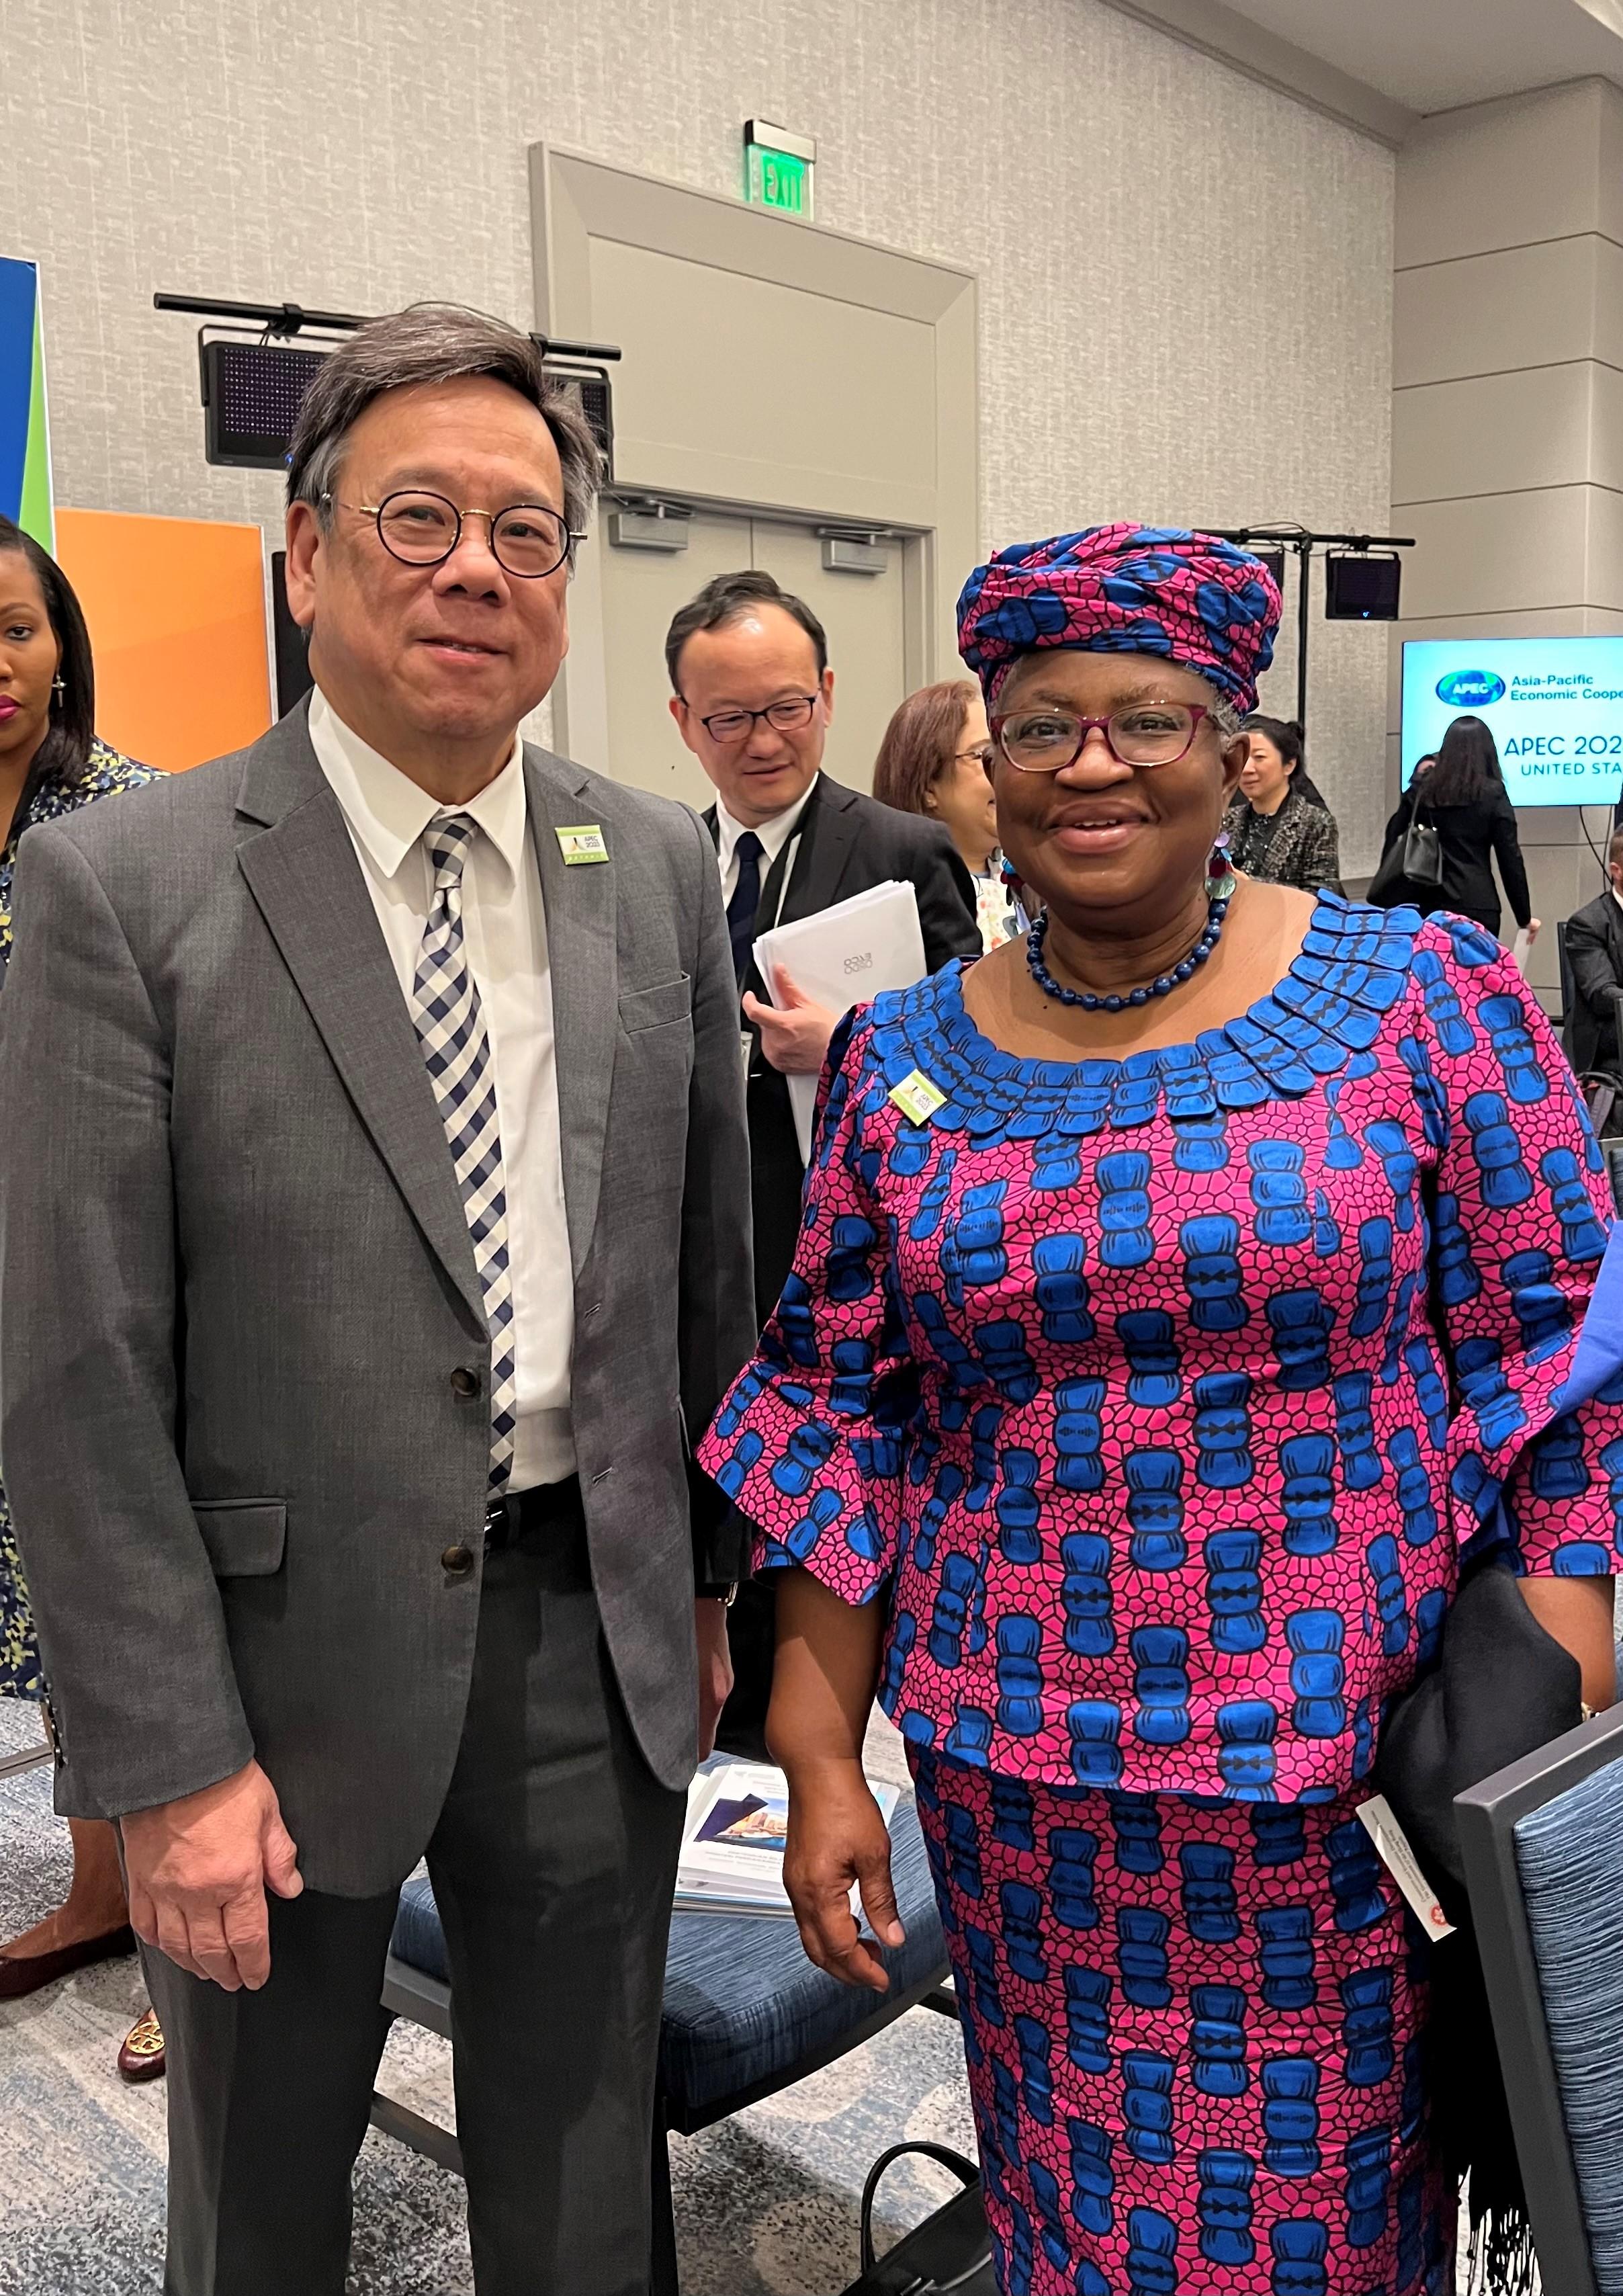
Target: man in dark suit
{"points": [[753, 695], [1595, 951], [753, 699]]}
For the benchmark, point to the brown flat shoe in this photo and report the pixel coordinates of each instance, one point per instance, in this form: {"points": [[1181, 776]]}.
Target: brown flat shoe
{"points": [[23, 1974], [141, 2058]]}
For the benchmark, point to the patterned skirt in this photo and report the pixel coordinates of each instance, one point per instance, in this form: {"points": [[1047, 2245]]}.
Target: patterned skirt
{"points": [[1194, 2033], [20, 1669]]}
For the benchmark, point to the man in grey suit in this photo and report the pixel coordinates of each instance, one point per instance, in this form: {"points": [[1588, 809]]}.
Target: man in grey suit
{"points": [[380, 1240]]}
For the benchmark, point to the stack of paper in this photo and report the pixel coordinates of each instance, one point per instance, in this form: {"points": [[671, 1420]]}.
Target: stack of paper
{"points": [[733, 1842], [842, 957]]}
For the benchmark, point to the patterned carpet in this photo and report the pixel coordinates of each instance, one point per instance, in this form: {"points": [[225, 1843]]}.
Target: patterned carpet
{"points": [[766, 2204]]}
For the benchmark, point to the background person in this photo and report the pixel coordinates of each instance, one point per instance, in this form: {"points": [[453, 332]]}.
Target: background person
{"points": [[1595, 951], [51, 763], [1463, 795], [1280, 830], [412, 1159], [753, 695], [936, 759], [1107, 1445]]}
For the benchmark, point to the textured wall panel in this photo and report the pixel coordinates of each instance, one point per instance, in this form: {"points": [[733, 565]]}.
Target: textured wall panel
{"points": [[1187, 277]]}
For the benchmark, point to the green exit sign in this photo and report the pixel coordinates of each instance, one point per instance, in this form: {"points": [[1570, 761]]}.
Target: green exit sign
{"points": [[778, 167]]}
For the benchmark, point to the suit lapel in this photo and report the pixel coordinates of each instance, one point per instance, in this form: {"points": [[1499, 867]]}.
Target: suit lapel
{"points": [[303, 874], [827, 834], [581, 913]]}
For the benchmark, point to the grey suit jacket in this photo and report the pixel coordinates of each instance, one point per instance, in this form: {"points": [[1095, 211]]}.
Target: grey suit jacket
{"points": [[235, 1281]]}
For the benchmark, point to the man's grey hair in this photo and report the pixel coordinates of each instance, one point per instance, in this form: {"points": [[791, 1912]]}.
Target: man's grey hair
{"points": [[434, 343]]}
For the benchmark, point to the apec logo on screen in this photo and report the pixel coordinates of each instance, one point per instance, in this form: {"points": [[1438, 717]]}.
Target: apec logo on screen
{"points": [[1470, 689], [1554, 707]]}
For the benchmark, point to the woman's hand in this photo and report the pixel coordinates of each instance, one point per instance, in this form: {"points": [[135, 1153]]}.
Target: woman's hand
{"points": [[837, 1836], [1535, 927]]}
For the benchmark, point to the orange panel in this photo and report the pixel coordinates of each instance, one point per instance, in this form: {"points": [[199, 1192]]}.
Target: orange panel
{"points": [[177, 613]]}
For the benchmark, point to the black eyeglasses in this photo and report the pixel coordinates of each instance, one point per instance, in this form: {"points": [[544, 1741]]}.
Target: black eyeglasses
{"points": [[983, 753], [1147, 733], [728, 726], [528, 540]]}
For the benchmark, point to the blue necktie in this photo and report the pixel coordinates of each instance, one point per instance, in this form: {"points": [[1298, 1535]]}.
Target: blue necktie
{"points": [[745, 901]]}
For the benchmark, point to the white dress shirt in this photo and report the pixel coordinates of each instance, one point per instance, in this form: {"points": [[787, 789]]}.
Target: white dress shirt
{"points": [[504, 936], [775, 835]]}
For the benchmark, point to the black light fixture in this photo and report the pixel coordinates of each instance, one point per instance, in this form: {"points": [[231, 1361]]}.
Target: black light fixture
{"points": [[257, 360], [1361, 578], [1361, 585]]}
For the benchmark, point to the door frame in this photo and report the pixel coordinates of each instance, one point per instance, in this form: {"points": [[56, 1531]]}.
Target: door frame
{"points": [[575, 199]]}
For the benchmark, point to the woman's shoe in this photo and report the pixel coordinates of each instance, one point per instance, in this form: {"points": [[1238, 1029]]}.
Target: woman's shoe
{"points": [[25, 1973], [141, 2057]]}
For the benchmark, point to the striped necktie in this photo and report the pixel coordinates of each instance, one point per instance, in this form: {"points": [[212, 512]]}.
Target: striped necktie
{"points": [[450, 1025]]}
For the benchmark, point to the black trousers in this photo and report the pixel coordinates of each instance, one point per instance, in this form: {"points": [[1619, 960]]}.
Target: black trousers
{"points": [[552, 1866]]}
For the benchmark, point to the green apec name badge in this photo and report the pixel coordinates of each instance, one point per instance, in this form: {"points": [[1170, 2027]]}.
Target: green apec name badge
{"points": [[584, 843], [917, 1098]]}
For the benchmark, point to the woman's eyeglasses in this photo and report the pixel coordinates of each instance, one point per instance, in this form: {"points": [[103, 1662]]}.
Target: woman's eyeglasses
{"points": [[1148, 733], [528, 540]]}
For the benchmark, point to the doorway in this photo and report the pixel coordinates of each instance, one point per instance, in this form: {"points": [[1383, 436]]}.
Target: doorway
{"points": [[654, 564]]}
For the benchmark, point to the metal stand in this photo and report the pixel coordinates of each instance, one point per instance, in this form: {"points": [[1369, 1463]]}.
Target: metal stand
{"points": [[1298, 538]]}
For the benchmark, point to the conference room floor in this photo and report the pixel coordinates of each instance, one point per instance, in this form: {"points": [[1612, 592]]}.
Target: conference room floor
{"points": [[766, 2203]]}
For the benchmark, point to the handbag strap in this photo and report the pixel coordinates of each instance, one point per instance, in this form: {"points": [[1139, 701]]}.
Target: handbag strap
{"points": [[965, 2170]]}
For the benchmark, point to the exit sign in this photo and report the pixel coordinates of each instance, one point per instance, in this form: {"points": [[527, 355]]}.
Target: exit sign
{"points": [[778, 167]]}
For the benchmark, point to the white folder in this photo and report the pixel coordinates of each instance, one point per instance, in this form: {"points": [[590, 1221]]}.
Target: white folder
{"points": [[842, 957]]}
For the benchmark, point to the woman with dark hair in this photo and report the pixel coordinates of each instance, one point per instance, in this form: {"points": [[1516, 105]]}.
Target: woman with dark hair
{"points": [[1122, 1424], [50, 763], [1279, 829], [936, 759], [1463, 796]]}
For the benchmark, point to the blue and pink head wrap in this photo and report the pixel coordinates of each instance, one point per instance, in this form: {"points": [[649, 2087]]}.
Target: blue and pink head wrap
{"points": [[1189, 598]]}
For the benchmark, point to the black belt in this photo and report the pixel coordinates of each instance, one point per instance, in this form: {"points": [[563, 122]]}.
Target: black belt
{"points": [[542, 1508]]}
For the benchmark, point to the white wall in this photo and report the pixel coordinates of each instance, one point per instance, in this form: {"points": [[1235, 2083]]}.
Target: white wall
{"points": [[1186, 276], [1507, 435]]}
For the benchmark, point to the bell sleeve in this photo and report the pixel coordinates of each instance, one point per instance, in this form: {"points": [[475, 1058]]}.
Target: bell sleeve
{"points": [[1520, 1222], [809, 1444]]}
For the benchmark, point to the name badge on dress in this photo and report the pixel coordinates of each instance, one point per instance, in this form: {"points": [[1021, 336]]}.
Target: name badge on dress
{"points": [[584, 843], [917, 1098]]}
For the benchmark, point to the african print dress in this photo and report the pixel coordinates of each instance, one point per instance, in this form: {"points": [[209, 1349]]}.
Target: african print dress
{"points": [[106, 774], [1158, 1399]]}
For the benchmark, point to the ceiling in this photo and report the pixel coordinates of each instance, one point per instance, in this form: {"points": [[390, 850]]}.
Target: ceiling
{"points": [[1432, 55], [1381, 64]]}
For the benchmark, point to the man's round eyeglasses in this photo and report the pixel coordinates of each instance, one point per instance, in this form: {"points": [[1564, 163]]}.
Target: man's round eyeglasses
{"points": [[528, 540], [728, 726], [1148, 733]]}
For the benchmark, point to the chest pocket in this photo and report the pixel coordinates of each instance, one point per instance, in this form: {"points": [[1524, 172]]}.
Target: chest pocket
{"points": [[662, 1006]]}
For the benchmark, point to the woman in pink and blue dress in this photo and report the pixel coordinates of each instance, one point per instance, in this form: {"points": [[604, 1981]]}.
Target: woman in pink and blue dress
{"points": [[1180, 1290]]}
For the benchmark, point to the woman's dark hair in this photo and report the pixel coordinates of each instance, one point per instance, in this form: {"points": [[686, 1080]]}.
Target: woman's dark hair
{"points": [[1286, 736], [65, 751], [1467, 768], [919, 744]]}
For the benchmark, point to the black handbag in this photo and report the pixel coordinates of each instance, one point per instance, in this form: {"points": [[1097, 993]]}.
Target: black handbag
{"points": [[949, 2254], [1423, 853], [1501, 1688]]}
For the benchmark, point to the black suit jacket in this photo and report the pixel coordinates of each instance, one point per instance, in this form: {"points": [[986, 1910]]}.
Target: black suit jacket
{"points": [[845, 843], [1469, 836], [1595, 951]]}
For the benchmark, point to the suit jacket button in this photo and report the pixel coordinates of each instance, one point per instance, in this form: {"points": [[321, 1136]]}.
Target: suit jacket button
{"points": [[457, 1561], [465, 1381]]}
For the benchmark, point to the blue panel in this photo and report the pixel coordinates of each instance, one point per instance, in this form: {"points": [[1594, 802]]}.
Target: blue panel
{"points": [[19, 295]]}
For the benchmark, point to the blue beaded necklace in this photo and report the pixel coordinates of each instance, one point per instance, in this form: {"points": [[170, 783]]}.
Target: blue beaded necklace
{"points": [[1162, 985]]}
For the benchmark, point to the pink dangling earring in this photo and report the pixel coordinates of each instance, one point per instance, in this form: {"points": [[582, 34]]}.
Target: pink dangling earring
{"points": [[1221, 882]]}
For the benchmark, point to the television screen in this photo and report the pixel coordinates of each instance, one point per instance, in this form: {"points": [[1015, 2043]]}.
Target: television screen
{"points": [[1556, 707]]}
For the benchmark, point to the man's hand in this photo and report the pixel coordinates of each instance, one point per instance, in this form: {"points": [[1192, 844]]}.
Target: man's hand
{"points": [[794, 1036], [714, 1667], [199, 1869]]}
